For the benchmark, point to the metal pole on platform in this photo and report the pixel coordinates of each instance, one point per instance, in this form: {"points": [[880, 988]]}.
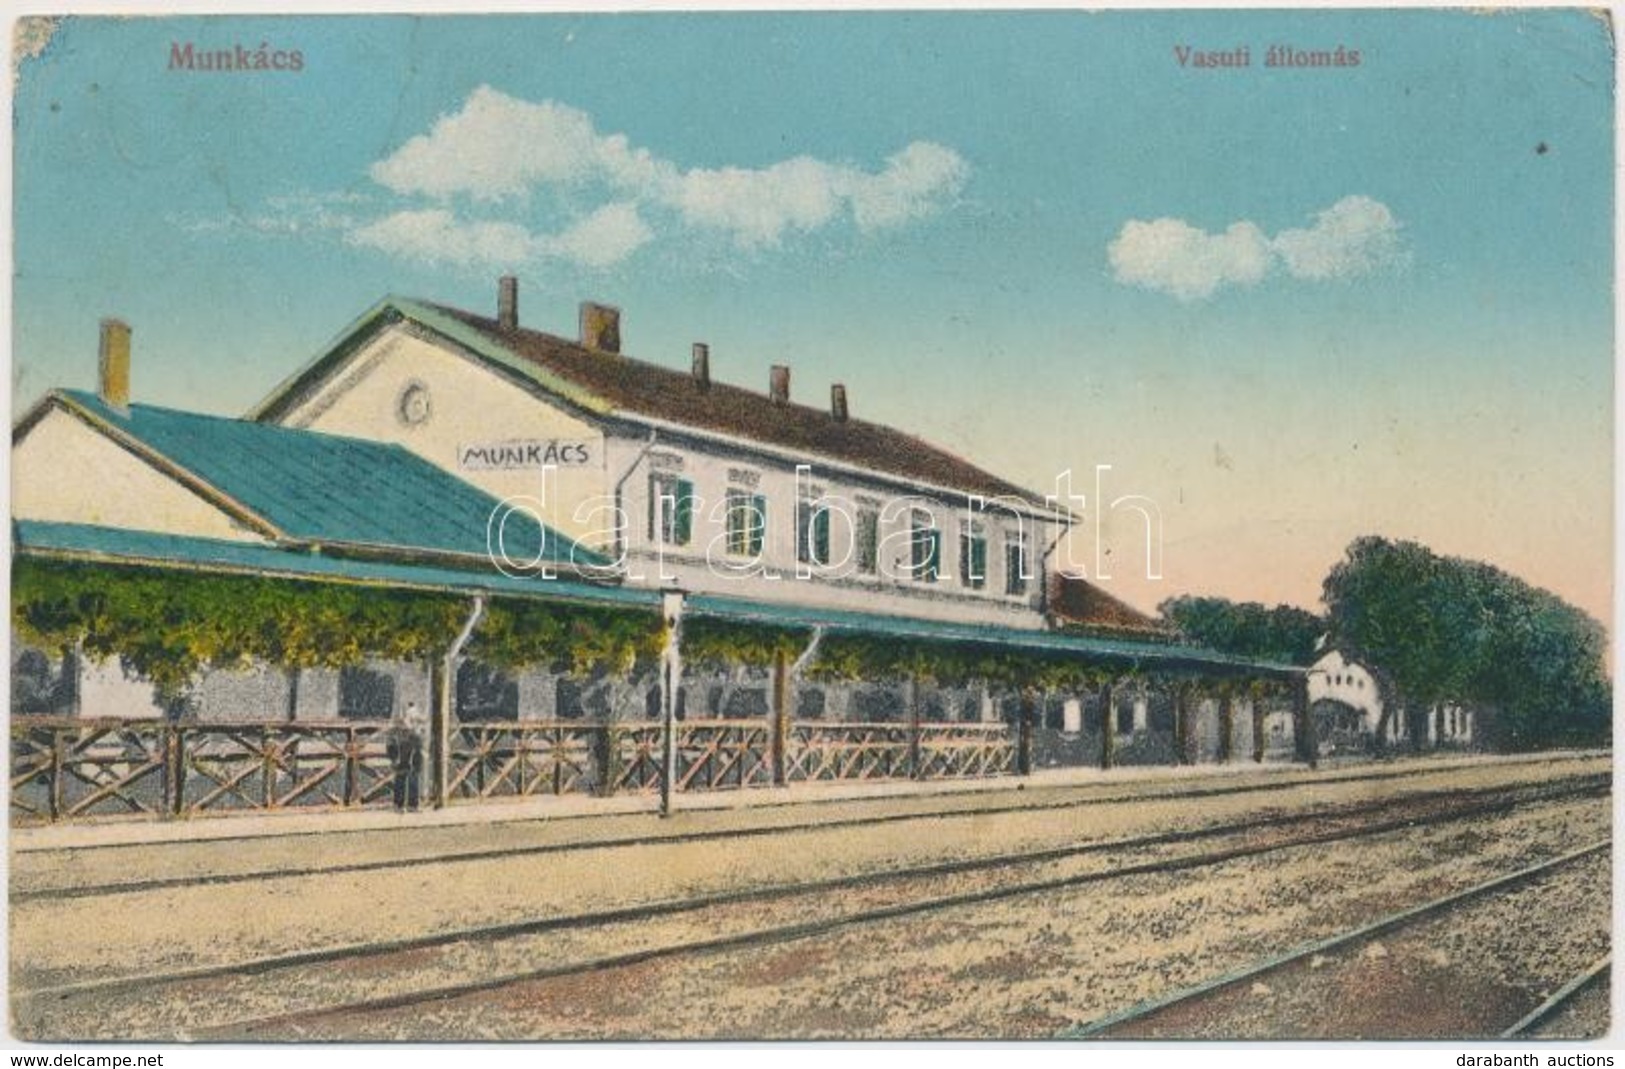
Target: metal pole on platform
{"points": [[779, 736], [1303, 727], [785, 674], [442, 677], [915, 764], [1180, 714], [1024, 733], [1108, 726], [671, 677]]}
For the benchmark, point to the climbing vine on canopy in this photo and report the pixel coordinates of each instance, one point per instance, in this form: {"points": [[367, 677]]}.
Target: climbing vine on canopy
{"points": [[852, 657], [575, 639], [711, 643], [168, 626]]}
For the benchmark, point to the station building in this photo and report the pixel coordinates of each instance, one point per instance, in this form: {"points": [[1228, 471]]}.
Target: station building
{"points": [[689, 482], [429, 447]]}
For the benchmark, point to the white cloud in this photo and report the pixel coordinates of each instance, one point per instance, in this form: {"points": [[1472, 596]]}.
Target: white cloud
{"points": [[756, 207], [1356, 236], [436, 236], [498, 148], [604, 238], [1171, 256], [915, 181], [286, 214], [494, 147]]}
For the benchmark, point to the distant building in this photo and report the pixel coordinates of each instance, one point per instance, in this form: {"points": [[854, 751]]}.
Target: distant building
{"points": [[1347, 705]]}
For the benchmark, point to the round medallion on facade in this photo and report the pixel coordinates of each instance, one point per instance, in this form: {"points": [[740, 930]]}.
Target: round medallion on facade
{"points": [[413, 406]]}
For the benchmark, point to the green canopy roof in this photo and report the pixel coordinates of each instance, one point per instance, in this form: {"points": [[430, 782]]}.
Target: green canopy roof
{"points": [[326, 489], [1021, 640], [117, 546], [113, 545]]}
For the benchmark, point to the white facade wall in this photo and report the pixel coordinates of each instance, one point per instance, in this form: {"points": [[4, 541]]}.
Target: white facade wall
{"points": [[1241, 742], [1206, 729], [468, 403], [1334, 678], [1278, 734], [460, 404], [705, 565], [65, 471], [1451, 724], [106, 692]]}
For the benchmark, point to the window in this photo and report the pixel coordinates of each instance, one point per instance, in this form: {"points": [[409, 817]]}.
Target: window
{"points": [[973, 557], [671, 509], [867, 533], [365, 694], [925, 548], [1015, 564], [747, 522], [812, 532], [485, 693]]}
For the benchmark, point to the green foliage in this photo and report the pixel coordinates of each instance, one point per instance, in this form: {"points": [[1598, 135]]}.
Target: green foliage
{"points": [[850, 657], [575, 639], [1284, 634], [168, 626], [1445, 629], [721, 642]]}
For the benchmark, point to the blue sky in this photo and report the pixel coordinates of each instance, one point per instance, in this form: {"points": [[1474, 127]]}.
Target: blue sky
{"points": [[1292, 306]]}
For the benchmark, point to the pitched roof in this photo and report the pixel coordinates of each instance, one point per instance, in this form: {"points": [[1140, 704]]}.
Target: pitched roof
{"points": [[620, 385], [1075, 604], [322, 489]]}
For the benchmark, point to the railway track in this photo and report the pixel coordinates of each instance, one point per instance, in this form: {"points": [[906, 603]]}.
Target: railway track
{"points": [[1133, 1022], [895, 894], [21, 892], [1587, 979]]}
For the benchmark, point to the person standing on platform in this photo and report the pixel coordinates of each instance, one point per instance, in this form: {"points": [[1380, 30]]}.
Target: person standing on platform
{"points": [[405, 740]]}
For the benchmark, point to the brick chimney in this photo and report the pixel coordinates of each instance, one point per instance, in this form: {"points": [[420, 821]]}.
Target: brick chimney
{"points": [[600, 327], [778, 384], [702, 365], [113, 364], [508, 302], [837, 402]]}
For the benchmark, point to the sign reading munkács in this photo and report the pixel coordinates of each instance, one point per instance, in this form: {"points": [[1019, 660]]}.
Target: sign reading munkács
{"points": [[521, 453]]}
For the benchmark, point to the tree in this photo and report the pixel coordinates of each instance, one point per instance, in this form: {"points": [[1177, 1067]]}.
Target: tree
{"points": [[1447, 630], [1285, 633]]}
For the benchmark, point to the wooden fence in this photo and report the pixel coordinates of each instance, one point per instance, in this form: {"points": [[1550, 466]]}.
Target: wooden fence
{"points": [[66, 769]]}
